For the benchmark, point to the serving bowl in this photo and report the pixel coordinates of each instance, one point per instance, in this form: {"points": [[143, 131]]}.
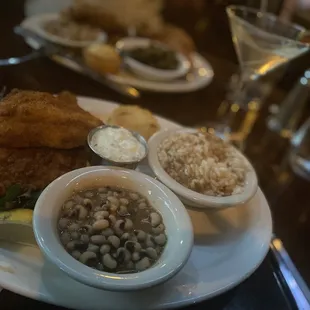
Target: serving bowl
{"points": [[177, 222], [146, 71], [189, 196]]}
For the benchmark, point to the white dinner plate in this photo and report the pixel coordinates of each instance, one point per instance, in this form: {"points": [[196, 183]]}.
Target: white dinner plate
{"points": [[229, 245], [199, 76]]}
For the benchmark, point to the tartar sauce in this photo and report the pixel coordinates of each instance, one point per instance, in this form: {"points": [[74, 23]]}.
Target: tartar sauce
{"points": [[117, 144]]}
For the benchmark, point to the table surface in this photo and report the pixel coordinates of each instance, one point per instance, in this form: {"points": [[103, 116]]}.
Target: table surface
{"points": [[286, 192]]}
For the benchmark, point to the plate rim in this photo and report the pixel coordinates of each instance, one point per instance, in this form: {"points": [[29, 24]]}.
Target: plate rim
{"points": [[164, 86], [38, 295]]}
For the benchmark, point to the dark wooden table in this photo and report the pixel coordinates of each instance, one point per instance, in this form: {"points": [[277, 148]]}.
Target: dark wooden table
{"points": [[287, 194]]}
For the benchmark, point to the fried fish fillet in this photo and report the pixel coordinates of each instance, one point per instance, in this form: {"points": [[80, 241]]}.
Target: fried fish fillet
{"points": [[37, 167], [39, 119]]}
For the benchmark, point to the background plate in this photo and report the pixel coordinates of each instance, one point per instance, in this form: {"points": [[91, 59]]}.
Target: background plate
{"points": [[199, 77]]}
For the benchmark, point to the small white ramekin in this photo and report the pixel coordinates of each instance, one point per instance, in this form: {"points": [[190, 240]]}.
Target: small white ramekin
{"points": [[189, 196], [179, 228], [36, 23], [146, 71]]}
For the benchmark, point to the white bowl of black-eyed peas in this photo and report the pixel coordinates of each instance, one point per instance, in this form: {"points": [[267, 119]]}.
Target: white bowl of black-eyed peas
{"points": [[113, 228]]}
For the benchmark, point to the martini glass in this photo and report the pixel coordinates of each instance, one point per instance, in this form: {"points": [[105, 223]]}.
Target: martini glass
{"points": [[264, 44], [262, 41]]}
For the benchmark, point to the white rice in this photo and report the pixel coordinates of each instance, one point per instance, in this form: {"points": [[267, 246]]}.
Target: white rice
{"points": [[203, 163]]}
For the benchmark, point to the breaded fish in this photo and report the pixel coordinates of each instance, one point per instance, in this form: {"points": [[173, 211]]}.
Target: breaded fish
{"points": [[37, 167], [39, 119]]}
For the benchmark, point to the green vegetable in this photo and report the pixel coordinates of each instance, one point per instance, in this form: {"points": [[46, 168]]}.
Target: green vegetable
{"points": [[15, 199], [155, 56], [11, 194]]}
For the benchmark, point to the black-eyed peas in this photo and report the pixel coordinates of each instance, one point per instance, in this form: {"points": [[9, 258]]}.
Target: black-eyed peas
{"points": [[112, 230]]}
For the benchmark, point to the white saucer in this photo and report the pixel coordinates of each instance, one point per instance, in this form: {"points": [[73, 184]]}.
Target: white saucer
{"points": [[36, 23], [229, 245], [198, 77]]}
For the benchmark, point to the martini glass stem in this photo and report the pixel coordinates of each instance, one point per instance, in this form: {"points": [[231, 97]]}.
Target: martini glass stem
{"points": [[241, 108], [263, 6]]}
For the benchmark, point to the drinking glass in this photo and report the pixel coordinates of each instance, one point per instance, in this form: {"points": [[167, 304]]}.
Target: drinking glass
{"points": [[262, 41], [263, 44]]}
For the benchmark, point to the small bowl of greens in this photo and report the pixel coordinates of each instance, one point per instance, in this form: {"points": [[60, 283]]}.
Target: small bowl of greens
{"points": [[152, 60]]}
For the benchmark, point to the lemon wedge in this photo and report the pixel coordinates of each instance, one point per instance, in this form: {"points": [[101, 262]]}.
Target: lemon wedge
{"points": [[15, 227], [17, 215]]}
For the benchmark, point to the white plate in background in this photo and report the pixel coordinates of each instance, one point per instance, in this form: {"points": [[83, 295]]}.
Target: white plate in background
{"points": [[200, 75]]}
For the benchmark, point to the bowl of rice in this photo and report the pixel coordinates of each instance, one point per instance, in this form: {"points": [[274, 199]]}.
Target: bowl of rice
{"points": [[202, 169]]}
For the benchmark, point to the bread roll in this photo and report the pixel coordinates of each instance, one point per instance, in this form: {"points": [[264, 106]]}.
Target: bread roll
{"points": [[102, 58], [135, 118]]}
